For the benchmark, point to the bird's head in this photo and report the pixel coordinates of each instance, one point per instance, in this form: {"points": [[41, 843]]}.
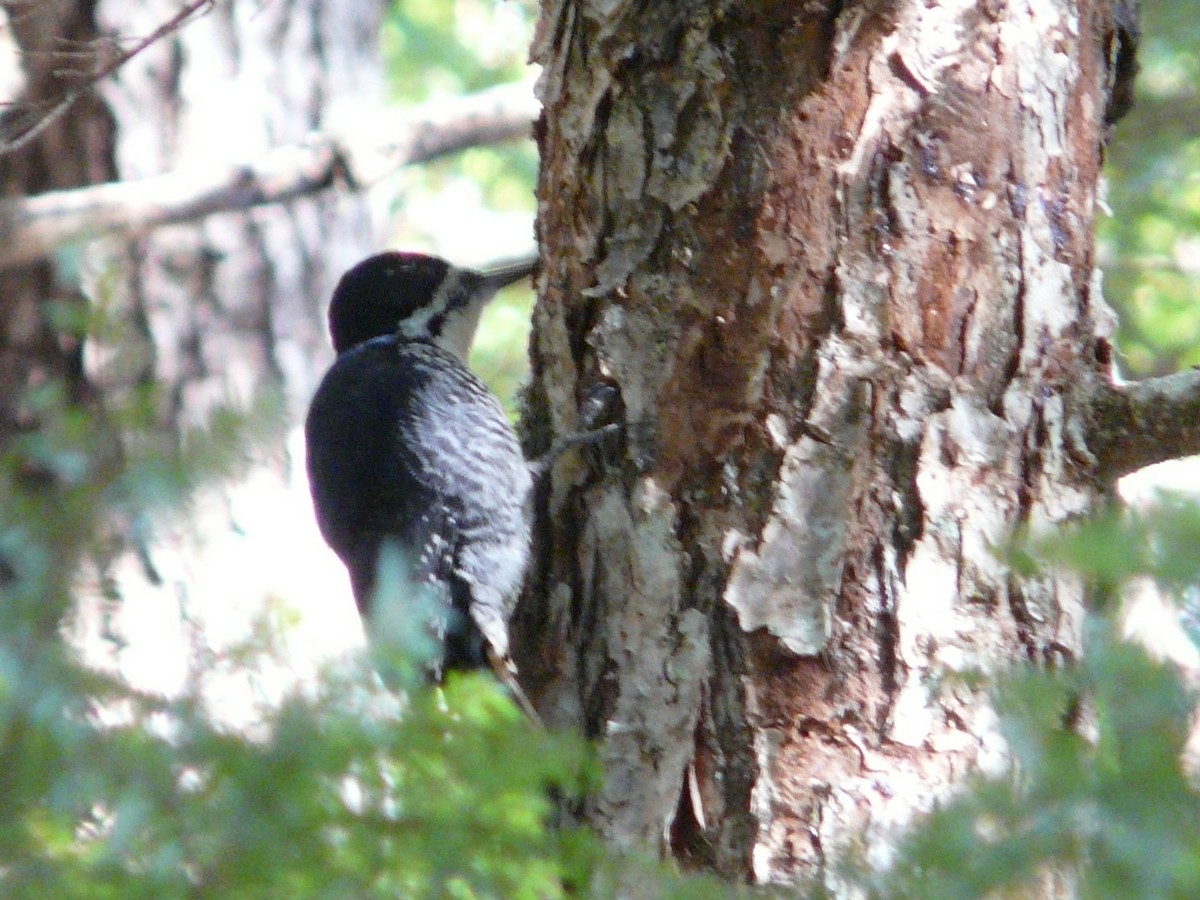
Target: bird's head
{"points": [[417, 297]]}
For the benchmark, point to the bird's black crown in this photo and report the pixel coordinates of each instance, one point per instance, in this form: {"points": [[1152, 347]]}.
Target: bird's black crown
{"points": [[372, 298]]}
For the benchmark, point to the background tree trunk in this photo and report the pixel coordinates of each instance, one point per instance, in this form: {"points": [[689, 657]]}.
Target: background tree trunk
{"points": [[71, 152], [230, 313], [838, 261], [37, 354], [233, 311]]}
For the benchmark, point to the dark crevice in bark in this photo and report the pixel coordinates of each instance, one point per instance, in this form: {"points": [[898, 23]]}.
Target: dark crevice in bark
{"points": [[887, 633], [734, 830], [686, 839], [597, 688], [887, 223], [1029, 462], [1027, 625], [900, 460], [831, 304], [964, 331], [1011, 366]]}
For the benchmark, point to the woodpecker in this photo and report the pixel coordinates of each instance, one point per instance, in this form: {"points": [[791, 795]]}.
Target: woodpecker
{"points": [[407, 445]]}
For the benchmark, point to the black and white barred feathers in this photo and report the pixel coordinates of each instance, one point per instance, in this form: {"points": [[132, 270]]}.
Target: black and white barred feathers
{"points": [[407, 446]]}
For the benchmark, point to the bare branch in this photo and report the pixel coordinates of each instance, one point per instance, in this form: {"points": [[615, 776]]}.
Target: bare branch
{"points": [[44, 119], [1135, 425], [32, 227]]}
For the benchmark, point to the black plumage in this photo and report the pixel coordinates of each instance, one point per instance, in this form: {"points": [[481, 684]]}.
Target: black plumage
{"points": [[407, 445]]}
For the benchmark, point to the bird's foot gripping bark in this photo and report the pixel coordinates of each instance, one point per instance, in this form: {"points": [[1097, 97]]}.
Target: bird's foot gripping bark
{"points": [[540, 466]]}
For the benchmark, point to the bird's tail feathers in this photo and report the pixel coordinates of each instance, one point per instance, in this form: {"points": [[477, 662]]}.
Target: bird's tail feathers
{"points": [[506, 671]]}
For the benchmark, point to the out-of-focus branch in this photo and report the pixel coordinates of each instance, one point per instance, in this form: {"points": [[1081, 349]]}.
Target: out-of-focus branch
{"points": [[32, 227], [1134, 425]]}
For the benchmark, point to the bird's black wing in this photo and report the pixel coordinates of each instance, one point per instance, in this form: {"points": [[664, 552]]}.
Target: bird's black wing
{"points": [[405, 443], [361, 484]]}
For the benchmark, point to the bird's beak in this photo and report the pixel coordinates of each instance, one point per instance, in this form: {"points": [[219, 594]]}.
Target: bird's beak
{"points": [[503, 275]]}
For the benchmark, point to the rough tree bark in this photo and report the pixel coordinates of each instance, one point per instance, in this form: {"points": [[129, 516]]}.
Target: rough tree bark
{"points": [[837, 260]]}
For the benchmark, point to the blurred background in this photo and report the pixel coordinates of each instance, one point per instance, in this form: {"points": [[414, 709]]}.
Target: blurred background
{"points": [[1150, 243], [478, 206]]}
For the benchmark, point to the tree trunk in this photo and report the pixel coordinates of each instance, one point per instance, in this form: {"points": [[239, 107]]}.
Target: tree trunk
{"points": [[40, 361], [70, 152], [837, 261]]}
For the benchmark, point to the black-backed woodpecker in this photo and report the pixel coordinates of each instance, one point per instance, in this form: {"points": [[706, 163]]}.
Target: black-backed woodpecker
{"points": [[406, 445]]}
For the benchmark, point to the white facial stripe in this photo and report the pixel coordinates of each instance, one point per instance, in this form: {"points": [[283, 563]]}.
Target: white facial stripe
{"points": [[458, 320], [417, 324]]}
